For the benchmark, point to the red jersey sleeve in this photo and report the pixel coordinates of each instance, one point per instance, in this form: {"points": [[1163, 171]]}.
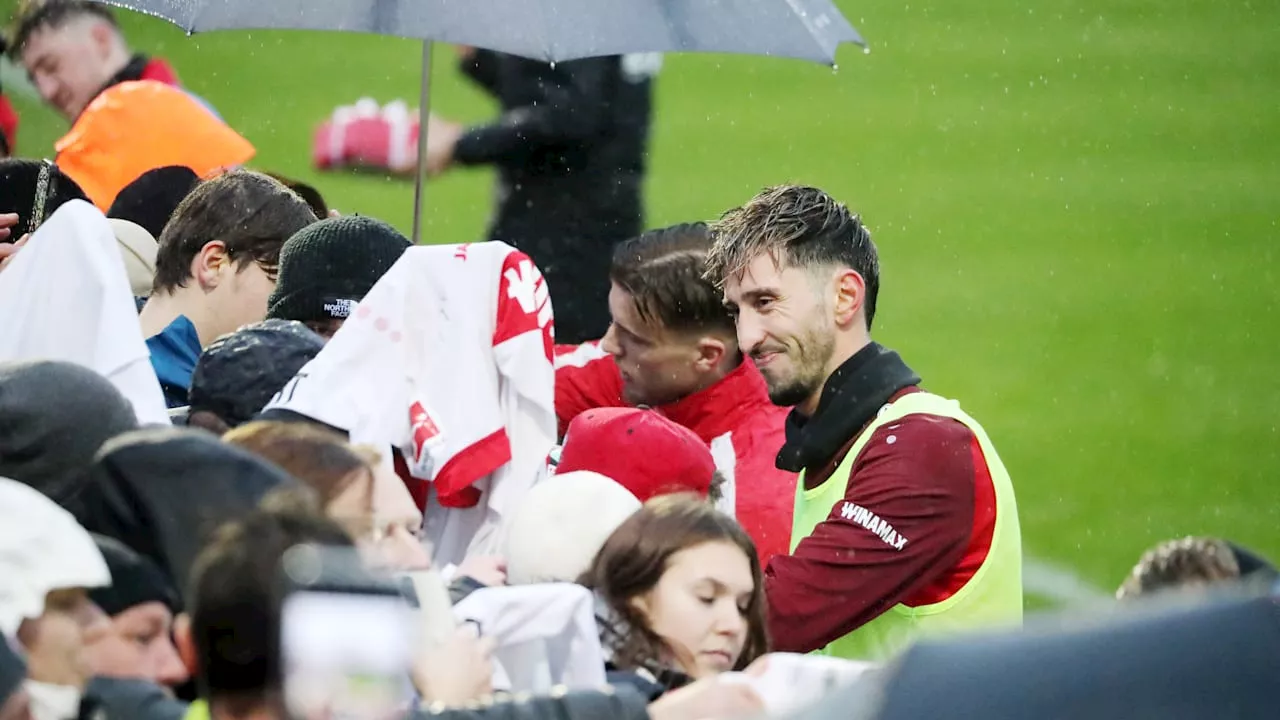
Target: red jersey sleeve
{"points": [[586, 378], [903, 525]]}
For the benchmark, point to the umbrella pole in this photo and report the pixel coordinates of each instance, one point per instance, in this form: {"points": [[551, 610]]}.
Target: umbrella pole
{"points": [[424, 111]]}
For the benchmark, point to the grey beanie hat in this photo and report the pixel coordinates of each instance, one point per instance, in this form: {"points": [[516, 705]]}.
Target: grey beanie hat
{"points": [[53, 418]]}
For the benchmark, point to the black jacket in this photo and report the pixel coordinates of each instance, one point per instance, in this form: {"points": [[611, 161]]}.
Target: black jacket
{"points": [[569, 145], [570, 149]]}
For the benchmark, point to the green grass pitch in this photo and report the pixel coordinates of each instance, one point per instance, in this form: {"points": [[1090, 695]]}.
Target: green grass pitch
{"points": [[1076, 206]]}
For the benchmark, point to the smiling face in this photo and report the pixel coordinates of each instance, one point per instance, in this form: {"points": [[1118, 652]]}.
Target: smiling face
{"points": [[700, 606], [71, 62], [786, 326]]}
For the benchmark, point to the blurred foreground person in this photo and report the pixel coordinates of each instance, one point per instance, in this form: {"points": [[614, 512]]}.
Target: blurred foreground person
{"points": [[571, 150], [672, 346], [141, 605], [236, 614], [47, 562], [1194, 563], [127, 115], [683, 593], [905, 520], [215, 268], [161, 491]]}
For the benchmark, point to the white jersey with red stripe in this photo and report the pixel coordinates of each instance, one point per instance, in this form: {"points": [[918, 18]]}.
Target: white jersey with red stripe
{"points": [[448, 359]]}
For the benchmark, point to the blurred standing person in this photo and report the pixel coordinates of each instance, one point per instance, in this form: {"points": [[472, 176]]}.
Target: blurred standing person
{"points": [[905, 520], [141, 605], [74, 50], [570, 147], [75, 54]]}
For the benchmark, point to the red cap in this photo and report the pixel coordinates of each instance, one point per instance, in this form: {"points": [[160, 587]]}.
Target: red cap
{"points": [[643, 451]]}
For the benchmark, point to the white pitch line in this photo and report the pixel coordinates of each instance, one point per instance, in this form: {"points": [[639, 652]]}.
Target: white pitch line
{"points": [[1060, 584]]}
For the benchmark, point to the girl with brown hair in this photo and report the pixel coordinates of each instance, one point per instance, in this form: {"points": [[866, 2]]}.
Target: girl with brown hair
{"points": [[683, 593]]}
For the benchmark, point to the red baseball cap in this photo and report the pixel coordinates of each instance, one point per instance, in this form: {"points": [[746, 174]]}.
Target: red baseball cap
{"points": [[642, 450]]}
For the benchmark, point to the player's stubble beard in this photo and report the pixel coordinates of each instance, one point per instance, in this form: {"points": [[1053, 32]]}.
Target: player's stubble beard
{"points": [[807, 357]]}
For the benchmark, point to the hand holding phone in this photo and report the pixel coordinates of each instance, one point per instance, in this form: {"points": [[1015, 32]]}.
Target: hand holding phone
{"points": [[346, 639], [457, 670]]}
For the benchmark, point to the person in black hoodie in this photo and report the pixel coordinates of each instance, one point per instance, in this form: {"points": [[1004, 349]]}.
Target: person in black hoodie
{"points": [[570, 148], [161, 492]]}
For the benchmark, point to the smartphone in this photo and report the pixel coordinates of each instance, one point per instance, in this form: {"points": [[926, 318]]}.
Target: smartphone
{"points": [[346, 638]]}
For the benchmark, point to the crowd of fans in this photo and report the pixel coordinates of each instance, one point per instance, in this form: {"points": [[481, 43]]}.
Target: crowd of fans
{"points": [[729, 501]]}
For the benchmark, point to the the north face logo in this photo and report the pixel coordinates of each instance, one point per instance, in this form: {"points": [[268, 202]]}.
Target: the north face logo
{"points": [[340, 308]]}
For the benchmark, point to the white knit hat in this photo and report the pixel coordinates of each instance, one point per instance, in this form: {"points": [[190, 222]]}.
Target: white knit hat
{"points": [[139, 251], [42, 548], [561, 524]]}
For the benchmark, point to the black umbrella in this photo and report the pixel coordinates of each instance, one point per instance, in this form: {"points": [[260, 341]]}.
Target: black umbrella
{"points": [[550, 30]]}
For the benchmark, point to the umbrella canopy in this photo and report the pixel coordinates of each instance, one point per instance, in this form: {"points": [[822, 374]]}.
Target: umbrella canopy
{"points": [[551, 30]]}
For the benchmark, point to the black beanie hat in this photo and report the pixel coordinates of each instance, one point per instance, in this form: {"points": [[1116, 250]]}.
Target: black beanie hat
{"points": [[239, 373], [329, 266], [134, 580], [151, 199], [18, 182]]}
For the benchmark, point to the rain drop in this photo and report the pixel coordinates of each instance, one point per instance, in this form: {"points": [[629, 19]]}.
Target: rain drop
{"points": [[834, 68], [866, 51]]}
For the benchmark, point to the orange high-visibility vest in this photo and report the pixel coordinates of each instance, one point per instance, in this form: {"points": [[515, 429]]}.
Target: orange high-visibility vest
{"points": [[134, 127]]}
